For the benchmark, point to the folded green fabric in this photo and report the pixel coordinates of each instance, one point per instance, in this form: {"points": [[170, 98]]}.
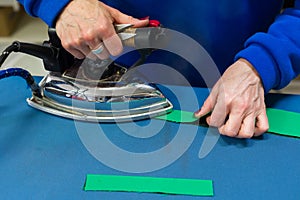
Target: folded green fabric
{"points": [[97, 182], [280, 121]]}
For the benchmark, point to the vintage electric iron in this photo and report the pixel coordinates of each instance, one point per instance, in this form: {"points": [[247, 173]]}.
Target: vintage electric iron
{"points": [[92, 89]]}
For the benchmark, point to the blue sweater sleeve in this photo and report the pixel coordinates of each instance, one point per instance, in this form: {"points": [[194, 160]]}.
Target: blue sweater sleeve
{"points": [[276, 54], [47, 10]]}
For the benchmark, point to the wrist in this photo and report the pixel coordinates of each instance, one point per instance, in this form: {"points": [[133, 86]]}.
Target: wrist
{"points": [[247, 64]]}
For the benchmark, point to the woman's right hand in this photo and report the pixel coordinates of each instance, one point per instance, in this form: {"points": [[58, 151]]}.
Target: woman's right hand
{"points": [[87, 25]]}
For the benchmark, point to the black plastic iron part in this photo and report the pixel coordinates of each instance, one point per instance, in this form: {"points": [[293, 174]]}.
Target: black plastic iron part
{"points": [[57, 59]]}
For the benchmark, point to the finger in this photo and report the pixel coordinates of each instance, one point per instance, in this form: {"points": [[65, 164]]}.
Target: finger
{"points": [[233, 124], [219, 113], [220, 110], [207, 107], [98, 48], [106, 33], [91, 56], [111, 42], [104, 54], [67, 44], [122, 18], [140, 23], [110, 39], [208, 104], [84, 49], [79, 51], [262, 124], [247, 127], [99, 51], [208, 120], [76, 46], [94, 43], [113, 45], [76, 53]]}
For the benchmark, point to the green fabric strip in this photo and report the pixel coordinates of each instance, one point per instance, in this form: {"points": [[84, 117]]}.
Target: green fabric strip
{"points": [[284, 122], [280, 121], [179, 116], [148, 184]]}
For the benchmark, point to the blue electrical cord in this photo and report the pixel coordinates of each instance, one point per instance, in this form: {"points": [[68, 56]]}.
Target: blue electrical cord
{"points": [[25, 75], [15, 46]]}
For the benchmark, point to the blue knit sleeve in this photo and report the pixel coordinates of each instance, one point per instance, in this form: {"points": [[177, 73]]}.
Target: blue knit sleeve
{"points": [[47, 10], [276, 54]]}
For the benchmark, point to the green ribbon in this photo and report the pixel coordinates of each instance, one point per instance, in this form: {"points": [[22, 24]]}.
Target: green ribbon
{"points": [[280, 121], [284, 122], [178, 116], [96, 182]]}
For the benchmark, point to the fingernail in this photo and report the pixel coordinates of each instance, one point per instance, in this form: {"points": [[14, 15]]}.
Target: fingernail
{"points": [[145, 18], [197, 113]]}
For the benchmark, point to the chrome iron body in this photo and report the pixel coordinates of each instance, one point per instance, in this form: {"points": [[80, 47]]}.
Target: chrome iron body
{"points": [[109, 99]]}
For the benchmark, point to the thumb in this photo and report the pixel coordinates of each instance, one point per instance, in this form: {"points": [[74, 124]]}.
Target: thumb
{"points": [[122, 18], [206, 108]]}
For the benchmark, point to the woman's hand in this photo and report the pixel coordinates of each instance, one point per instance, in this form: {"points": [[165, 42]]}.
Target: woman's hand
{"points": [[236, 103], [87, 25]]}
